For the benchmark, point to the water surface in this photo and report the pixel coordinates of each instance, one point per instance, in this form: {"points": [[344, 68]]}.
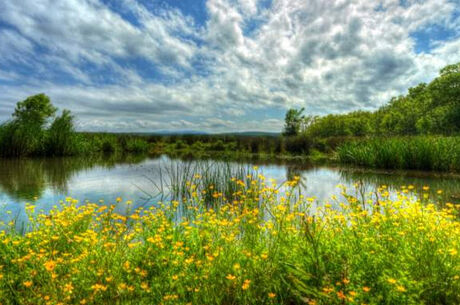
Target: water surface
{"points": [[47, 181]]}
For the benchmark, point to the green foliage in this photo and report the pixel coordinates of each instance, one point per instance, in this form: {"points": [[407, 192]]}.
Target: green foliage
{"points": [[420, 153], [219, 145], [34, 110], [357, 123], [293, 122], [432, 108], [297, 145], [61, 137], [137, 146], [17, 139]]}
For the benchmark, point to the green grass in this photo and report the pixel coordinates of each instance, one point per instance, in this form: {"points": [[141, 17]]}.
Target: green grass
{"points": [[61, 140], [434, 153]]}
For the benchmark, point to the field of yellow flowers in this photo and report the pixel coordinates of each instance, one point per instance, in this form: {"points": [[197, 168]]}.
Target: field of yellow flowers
{"points": [[259, 247]]}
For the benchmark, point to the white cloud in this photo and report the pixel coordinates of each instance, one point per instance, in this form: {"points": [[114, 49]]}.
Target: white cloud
{"points": [[86, 29], [243, 62]]}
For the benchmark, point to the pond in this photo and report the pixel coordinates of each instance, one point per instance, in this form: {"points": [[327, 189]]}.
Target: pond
{"points": [[44, 182]]}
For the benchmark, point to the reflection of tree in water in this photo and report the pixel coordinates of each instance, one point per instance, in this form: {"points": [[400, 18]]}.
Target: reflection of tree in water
{"points": [[450, 185], [24, 179], [292, 171]]}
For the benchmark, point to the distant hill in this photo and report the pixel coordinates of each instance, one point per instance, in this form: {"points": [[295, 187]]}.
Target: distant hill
{"points": [[196, 132], [167, 133], [178, 132], [251, 134]]}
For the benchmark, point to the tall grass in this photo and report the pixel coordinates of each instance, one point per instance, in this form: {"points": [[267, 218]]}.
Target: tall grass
{"points": [[277, 250], [421, 153], [215, 182], [20, 140], [60, 139]]}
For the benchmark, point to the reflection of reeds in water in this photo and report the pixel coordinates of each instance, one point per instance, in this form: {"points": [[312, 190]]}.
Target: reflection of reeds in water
{"points": [[215, 184], [213, 181], [443, 188]]}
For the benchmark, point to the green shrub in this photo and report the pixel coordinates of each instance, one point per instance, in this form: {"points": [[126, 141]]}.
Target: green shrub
{"points": [[298, 144], [136, 145]]}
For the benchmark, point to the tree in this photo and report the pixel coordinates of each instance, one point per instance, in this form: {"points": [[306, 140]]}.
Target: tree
{"points": [[455, 68], [34, 110], [445, 92], [26, 134], [293, 122]]}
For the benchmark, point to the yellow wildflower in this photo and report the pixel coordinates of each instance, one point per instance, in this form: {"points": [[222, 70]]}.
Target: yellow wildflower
{"points": [[391, 280], [50, 265], [246, 284]]}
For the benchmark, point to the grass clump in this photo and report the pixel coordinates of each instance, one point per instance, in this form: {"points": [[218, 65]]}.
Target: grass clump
{"points": [[420, 152], [259, 248]]}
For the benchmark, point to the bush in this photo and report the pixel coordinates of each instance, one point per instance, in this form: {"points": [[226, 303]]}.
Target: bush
{"points": [[298, 144], [218, 145], [136, 145]]}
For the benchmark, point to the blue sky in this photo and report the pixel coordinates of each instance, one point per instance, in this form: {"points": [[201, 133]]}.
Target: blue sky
{"points": [[219, 65]]}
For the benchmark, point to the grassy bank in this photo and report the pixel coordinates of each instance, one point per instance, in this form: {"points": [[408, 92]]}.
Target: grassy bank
{"points": [[421, 153], [260, 248], [273, 145], [16, 143]]}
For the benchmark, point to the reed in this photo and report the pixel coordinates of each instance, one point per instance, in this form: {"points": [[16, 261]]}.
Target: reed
{"points": [[434, 153]]}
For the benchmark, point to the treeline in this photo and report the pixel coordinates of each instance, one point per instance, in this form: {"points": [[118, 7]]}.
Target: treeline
{"points": [[36, 130], [231, 144], [432, 108]]}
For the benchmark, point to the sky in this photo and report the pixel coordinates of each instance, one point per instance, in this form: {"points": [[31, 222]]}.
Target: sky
{"points": [[219, 65]]}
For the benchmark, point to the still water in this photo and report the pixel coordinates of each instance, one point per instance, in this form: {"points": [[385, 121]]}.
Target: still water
{"points": [[47, 181]]}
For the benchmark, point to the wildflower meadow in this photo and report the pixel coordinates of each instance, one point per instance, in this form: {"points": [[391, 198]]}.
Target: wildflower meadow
{"points": [[262, 246]]}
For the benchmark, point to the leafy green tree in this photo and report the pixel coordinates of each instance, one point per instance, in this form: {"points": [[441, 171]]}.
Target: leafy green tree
{"points": [[26, 134], [36, 110], [432, 108], [293, 122], [445, 92]]}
